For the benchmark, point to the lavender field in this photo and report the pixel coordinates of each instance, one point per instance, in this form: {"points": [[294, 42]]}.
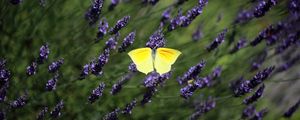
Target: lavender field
{"points": [[150, 59]]}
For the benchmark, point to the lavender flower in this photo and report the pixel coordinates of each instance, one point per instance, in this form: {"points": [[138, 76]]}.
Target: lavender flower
{"points": [[192, 73], [259, 115], [132, 67], [269, 33], [44, 52], [127, 110], [93, 14], [187, 91], [111, 43], [42, 114], [291, 110], [51, 84], [31, 69], [128, 40], [120, 24], [191, 15], [16, 2], [96, 68], [148, 95], [3, 91], [176, 21], [153, 79], [197, 35], [156, 40], [103, 58], [220, 39], [263, 7], [285, 66], [102, 29], [241, 44], [85, 71], [96, 93], [54, 66], [2, 63], [153, 2], [166, 15], [204, 107], [20, 102], [255, 96], [4, 75], [202, 2], [241, 87], [259, 61], [244, 16], [112, 115], [294, 7], [113, 4], [291, 39], [118, 86], [216, 72], [248, 111], [261, 76], [56, 112]]}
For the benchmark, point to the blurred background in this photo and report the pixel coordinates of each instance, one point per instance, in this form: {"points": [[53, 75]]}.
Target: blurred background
{"points": [[26, 26]]}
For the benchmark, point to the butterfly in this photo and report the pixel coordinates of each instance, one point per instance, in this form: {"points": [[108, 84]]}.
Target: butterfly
{"points": [[148, 60]]}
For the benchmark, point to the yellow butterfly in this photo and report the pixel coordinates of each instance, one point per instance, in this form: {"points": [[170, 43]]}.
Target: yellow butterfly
{"points": [[147, 59]]}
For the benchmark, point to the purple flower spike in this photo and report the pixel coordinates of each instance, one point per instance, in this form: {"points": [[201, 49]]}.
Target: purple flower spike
{"points": [[96, 68], [176, 21], [197, 35], [113, 4], [102, 29], [241, 87], [259, 61], [259, 115], [188, 91], [117, 87], [291, 40], [120, 24], [244, 16], [16, 2], [203, 108], [4, 75], [53, 67], [93, 14], [128, 40], [261, 76], [255, 96], [111, 43], [192, 73], [148, 95], [156, 40], [288, 64], [217, 72], [103, 58], [96, 93], [3, 91], [291, 110], [128, 109], [248, 111], [51, 84], [44, 52], [202, 2], [112, 115], [56, 112], [153, 2], [31, 69], [220, 39], [150, 79], [191, 15], [42, 114], [132, 67], [166, 15], [19, 102], [241, 44], [85, 71], [263, 7]]}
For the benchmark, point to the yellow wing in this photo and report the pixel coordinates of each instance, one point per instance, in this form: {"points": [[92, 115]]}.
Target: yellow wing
{"points": [[164, 58], [143, 59]]}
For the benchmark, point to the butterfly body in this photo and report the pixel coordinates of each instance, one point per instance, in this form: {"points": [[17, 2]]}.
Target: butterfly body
{"points": [[159, 60]]}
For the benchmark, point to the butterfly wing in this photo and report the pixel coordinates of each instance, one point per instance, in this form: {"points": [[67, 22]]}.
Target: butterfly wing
{"points": [[164, 58], [143, 60]]}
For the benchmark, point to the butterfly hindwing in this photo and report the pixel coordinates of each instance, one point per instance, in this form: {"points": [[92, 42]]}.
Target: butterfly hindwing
{"points": [[164, 58], [143, 60]]}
